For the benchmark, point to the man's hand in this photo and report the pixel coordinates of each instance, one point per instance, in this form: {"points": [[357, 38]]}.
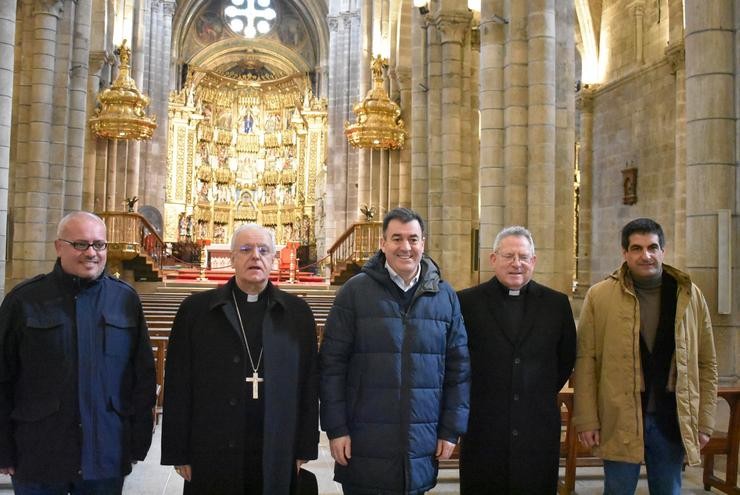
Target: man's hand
{"points": [[444, 449], [8, 470], [185, 471], [703, 439], [341, 449], [589, 438]]}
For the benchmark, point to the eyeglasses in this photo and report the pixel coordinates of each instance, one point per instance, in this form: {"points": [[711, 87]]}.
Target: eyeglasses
{"points": [[510, 257], [261, 249], [84, 245]]}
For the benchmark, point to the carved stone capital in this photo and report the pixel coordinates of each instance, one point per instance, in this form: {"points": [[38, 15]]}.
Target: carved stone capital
{"points": [[333, 22], [348, 18], [168, 8], [676, 56], [99, 59], [48, 7], [452, 27], [585, 97], [402, 76]]}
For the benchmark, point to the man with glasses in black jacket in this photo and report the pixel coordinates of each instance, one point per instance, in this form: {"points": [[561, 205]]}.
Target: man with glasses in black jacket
{"points": [[77, 379]]}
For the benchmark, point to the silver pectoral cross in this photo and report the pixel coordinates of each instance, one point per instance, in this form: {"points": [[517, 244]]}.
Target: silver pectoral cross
{"points": [[254, 379]]}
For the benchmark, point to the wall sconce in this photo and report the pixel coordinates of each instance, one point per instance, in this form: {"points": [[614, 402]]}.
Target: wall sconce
{"points": [[422, 5]]}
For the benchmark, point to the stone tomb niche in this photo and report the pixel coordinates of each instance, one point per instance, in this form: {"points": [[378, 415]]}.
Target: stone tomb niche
{"points": [[243, 151]]}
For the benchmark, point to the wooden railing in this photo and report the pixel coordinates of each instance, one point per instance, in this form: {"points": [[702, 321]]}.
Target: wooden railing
{"points": [[130, 235], [356, 245]]}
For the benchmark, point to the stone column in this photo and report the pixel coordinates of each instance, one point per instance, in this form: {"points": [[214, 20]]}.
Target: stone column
{"points": [[676, 56], [563, 225], [417, 138], [639, 13], [7, 58], [541, 134], [491, 173], [516, 114], [77, 120], [711, 141], [367, 160], [453, 26], [33, 251], [152, 172], [138, 49], [434, 130], [585, 103], [403, 197]]}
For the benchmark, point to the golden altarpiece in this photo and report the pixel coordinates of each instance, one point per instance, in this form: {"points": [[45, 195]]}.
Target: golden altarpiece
{"points": [[243, 149]]}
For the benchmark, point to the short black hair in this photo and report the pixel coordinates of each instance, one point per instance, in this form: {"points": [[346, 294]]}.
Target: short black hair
{"points": [[642, 226], [405, 215]]}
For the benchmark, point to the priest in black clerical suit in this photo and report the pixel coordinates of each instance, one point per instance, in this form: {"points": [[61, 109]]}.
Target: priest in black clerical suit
{"points": [[522, 342], [241, 389]]}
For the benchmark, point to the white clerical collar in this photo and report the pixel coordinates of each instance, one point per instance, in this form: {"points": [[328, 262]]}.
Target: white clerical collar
{"points": [[253, 297], [398, 280]]}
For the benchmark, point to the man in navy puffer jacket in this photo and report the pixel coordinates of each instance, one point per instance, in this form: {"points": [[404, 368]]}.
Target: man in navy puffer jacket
{"points": [[395, 370]]}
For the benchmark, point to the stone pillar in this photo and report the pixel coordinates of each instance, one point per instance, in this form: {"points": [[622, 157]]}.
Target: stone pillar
{"points": [[711, 141], [541, 134], [434, 129], [403, 197], [7, 58], [515, 114], [585, 104], [563, 224], [157, 67], [453, 26], [491, 173], [77, 114], [418, 139], [639, 13], [138, 49], [33, 252], [367, 160], [676, 56]]}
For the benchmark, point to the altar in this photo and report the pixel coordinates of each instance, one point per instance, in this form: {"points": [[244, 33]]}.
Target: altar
{"points": [[243, 149]]}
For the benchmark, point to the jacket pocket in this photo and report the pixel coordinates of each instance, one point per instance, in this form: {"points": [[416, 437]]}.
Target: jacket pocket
{"points": [[31, 411], [119, 335], [43, 337]]}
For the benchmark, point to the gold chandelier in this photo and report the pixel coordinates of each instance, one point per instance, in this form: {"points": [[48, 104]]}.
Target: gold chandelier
{"points": [[121, 113], [378, 124]]}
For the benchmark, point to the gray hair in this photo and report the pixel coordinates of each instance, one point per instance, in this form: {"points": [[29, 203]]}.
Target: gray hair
{"points": [[514, 230], [252, 227], [62, 226]]}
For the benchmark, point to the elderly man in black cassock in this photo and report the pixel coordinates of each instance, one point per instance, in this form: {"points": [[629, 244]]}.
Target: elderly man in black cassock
{"points": [[522, 342], [241, 389]]}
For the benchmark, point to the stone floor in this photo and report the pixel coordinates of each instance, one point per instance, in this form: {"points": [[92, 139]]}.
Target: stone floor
{"points": [[149, 478]]}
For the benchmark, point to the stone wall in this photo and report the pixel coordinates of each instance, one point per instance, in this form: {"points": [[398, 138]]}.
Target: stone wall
{"points": [[633, 126]]}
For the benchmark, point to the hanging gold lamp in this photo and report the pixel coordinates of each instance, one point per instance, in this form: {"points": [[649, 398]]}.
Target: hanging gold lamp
{"points": [[378, 124], [121, 113]]}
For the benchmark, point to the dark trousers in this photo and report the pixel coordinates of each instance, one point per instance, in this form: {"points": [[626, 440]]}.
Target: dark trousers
{"points": [[110, 486]]}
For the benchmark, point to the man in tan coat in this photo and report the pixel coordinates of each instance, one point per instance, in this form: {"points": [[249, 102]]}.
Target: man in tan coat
{"points": [[646, 370]]}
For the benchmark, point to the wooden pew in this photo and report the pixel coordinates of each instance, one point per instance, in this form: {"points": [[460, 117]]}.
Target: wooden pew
{"points": [[159, 347], [724, 443]]}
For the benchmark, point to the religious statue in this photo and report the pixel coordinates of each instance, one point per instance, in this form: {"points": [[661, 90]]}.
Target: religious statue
{"points": [[369, 212], [130, 202]]}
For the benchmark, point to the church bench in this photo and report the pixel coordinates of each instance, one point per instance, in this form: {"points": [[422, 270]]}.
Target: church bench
{"points": [[159, 348], [727, 444]]}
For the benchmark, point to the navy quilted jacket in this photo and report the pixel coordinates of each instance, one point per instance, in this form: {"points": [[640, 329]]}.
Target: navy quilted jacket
{"points": [[394, 382]]}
